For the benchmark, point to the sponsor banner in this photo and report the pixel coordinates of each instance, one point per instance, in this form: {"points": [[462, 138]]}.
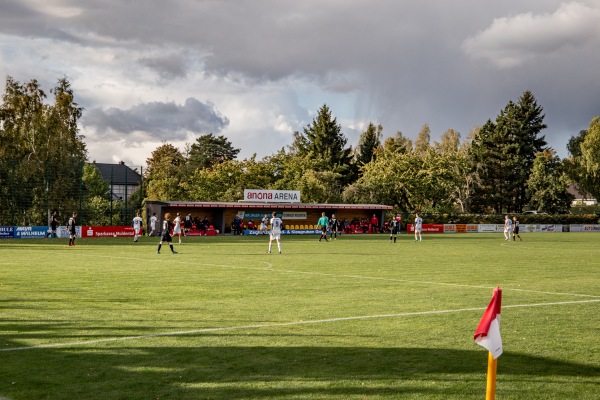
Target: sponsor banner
{"points": [[472, 228], [272, 196], [591, 228], [490, 228], [30, 232], [7, 232], [576, 228], [253, 214], [529, 228], [450, 228], [284, 232], [285, 215], [427, 228], [106, 231], [293, 215]]}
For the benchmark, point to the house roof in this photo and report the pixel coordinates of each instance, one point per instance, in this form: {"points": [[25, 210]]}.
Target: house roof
{"points": [[118, 174], [574, 190]]}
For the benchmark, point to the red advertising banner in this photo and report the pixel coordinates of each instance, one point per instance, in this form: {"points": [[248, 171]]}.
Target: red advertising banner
{"points": [[427, 228], [106, 231]]}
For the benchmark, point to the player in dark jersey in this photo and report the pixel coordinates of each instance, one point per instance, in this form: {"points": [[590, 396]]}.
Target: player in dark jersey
{"points": [[166, 234], [334, 227], [71, 228], [515, 232], [395, 227]]}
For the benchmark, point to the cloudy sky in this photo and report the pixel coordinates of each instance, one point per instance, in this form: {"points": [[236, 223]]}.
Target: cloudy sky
{"points": [[155, 71]]}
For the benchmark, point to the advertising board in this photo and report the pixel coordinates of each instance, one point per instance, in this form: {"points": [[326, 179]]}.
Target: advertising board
{"points": [[106, 231]]}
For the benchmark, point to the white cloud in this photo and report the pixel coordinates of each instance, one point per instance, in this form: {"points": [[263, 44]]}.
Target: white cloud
{"points": [[511, 41]]}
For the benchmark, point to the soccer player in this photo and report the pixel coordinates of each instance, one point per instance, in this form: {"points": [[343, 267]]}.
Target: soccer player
{"points": [[507, 227], [166, 234], [323, 224], [334, 226], [153, 220], [515, 232], [418, 227], [264, 225], [177, 227], [276, 224], [71, 229], [395, 227], [53, 226], [137, 226]]}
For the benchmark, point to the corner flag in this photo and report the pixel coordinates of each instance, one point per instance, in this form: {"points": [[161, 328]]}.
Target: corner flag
{"points": [[487, 333]]}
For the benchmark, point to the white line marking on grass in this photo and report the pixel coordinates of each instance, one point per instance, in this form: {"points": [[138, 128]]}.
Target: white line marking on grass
{"points": [[282, 324], [374, 278]]}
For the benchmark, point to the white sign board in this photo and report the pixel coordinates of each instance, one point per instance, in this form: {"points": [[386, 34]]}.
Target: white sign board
{"points": [[272, 196]]}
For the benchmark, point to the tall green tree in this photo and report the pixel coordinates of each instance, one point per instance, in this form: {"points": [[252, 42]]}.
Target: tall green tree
{"points": [[324, 142], [590, 153], [547, 184], [583, 163], [368, 144], [41, 146], [166, 177], [210, 150], [503, 154], [423, 141]]}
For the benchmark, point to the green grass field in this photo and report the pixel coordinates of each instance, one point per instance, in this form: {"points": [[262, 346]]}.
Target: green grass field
{"points": [[356, 318]]}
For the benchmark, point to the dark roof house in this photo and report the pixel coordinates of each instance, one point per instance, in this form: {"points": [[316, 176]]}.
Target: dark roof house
{"points": [[122, 180]]}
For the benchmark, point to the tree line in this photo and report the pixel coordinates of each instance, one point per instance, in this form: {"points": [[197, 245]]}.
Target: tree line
{"points": [[504, 165]]}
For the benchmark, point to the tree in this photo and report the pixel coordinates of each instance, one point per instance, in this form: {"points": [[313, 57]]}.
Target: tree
{"points": [[398, 144], [42, 147], [547, 184], [324, 142], [368, 144], [450, 142], [166, 174], [210, 150], [503, 154], [422, 144], [584, 161], [295, 172], [408, 181], [590, 152], [226, 181]]}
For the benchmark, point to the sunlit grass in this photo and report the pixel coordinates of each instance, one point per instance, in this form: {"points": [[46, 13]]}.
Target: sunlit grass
{"points": [[356, 318]]}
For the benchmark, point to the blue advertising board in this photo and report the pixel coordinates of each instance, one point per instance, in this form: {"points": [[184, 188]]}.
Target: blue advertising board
{"points": [[30, 232], [7, 232]]}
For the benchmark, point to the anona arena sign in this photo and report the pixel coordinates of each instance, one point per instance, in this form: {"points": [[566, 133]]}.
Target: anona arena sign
{"points": [[272, 196]]}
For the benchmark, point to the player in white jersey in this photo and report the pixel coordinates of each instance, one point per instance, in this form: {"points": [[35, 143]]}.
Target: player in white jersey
{"points": [[418, 227], [153, 221], [507, 227], [263, 225], [276, 224], [137, 226], [177, 227]]}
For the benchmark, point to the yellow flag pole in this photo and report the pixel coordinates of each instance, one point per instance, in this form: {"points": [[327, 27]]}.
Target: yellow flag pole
{"points": [[490, 391]]}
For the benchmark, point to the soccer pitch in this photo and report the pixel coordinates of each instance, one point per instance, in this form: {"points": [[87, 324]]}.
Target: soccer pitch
{"points": [[354, 318]]}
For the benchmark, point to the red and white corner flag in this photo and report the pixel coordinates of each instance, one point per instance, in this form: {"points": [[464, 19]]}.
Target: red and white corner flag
{"points": [[487, 333]]}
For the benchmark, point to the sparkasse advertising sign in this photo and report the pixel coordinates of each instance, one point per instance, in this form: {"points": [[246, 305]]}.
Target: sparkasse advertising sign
{"points": [[272, 196]]}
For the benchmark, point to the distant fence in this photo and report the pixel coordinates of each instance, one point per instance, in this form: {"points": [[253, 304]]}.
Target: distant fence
{"points": [[31, 197]]}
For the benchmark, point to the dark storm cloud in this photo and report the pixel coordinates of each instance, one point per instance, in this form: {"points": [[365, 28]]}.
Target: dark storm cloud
{"points": [[157, 120], [168, 67], [406, 63]]}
